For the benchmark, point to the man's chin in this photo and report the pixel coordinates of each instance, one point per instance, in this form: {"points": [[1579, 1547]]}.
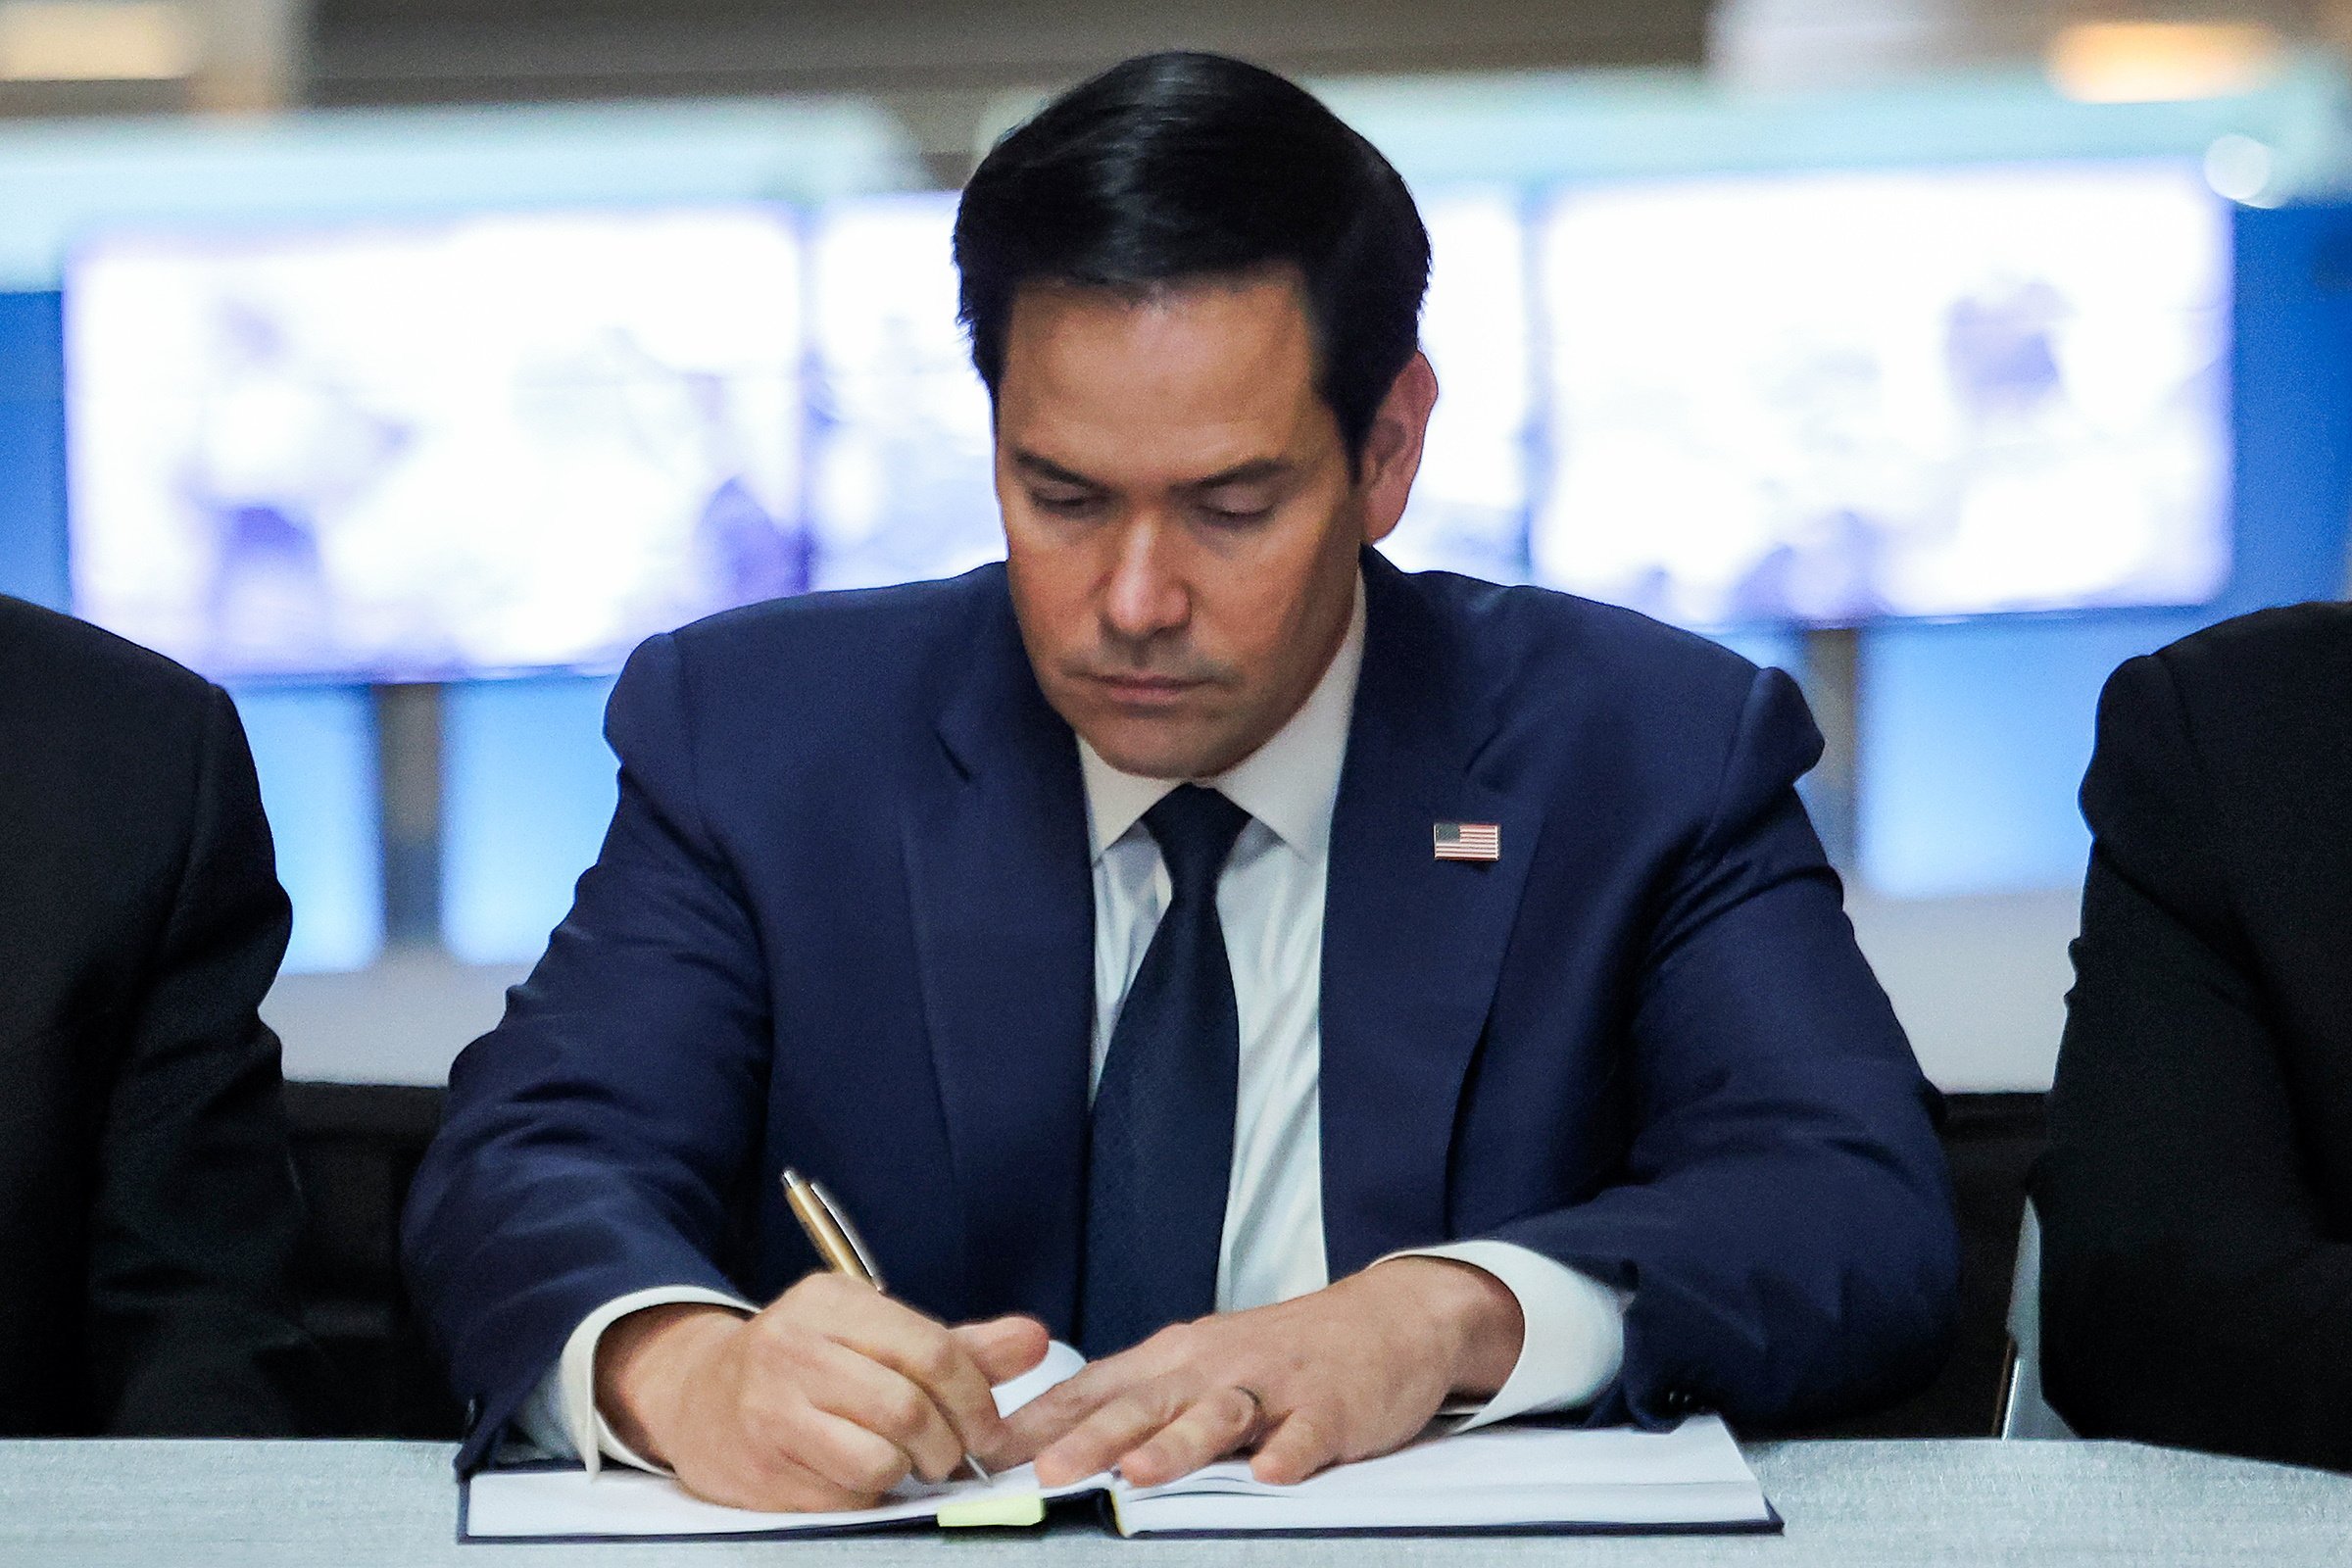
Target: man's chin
{"points": [[1158, 746]]}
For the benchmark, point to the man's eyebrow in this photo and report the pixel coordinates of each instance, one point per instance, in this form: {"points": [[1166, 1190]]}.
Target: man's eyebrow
{"points": [[1255, 470], [1048, 469]]}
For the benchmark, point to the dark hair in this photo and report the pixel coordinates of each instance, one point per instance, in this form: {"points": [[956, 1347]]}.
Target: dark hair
{"points": [[1173, 167]]}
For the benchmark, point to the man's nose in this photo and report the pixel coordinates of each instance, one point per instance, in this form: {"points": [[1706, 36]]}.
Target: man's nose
{"points": [[1146, 594]]}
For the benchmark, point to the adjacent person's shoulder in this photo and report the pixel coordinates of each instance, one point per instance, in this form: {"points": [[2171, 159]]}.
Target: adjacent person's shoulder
{"points": [[2223, 736], [96, 701], [2268, 636], [107, 750], [2254, 670], [2231, 694], [57, 660]]}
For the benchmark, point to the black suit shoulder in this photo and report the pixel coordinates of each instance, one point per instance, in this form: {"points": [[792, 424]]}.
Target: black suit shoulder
{"points": [[2245, 691], [71, 671], [103, 748], [2265, 703], [2223, 769], [2271, 658], [2199, 1174], [105, 753], [140, 912]]}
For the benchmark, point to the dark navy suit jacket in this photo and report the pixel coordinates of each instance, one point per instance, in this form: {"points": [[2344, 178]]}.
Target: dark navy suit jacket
{"points": [[843, 919]]}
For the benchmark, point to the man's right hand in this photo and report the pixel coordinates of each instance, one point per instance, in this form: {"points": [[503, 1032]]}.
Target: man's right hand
{"points": [[826, 1399]]}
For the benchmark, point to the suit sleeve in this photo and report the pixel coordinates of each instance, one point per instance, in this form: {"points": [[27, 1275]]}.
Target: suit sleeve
{"points": [[1784, 1224], [593, 1138], [196, 1217], [2191, 1293]]}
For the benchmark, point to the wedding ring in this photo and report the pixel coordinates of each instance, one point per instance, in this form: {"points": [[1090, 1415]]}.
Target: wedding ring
{"points": [[1257, 1413]]}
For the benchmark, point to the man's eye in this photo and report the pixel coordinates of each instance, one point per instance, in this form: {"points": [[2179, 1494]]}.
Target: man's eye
{"points": [[1064, 502], [1236, 516]]}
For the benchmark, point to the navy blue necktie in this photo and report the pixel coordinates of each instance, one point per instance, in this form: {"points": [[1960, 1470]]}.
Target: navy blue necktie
{"points": [[1160, 1141]]}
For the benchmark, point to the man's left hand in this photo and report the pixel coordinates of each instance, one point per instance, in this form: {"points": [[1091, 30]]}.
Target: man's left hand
{"points": [[1350, 1371]]}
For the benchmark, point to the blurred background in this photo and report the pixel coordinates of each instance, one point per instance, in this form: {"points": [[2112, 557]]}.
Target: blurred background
{"points": [[401, 364]]}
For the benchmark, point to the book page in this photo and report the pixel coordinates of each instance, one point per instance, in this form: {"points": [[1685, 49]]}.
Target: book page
{"points": [[566, 1502], [1063, 1362], [1701, 1448], [1495, 1475]]}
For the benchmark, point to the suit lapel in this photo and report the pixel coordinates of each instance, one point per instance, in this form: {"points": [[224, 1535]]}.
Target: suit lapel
{"points": [[997, 875], [1412, 946]]}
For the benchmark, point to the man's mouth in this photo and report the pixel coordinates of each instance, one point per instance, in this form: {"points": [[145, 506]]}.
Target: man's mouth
{"points": [[1145, 690]]}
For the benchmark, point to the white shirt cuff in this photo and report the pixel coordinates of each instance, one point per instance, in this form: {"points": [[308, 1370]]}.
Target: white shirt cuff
{"points": [[1575, 1330], [561, 1416]]}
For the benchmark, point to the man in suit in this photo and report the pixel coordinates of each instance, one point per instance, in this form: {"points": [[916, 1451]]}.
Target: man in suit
{"points": [[148, 1211], [1324, 993], [2196, 1198]]}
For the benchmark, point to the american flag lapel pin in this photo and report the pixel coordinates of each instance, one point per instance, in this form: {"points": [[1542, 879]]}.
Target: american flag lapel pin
{"points": [[1467, 841]]}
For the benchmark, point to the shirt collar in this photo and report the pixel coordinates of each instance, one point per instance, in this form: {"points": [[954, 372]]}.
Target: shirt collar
{"points": [[1289, 783]]}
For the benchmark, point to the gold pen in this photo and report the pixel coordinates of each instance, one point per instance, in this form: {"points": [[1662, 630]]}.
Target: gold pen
{"points": [[838, 1243]]}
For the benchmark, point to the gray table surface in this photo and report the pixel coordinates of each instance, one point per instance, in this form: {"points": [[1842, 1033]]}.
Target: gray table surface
{"points": [[356, 1503]]}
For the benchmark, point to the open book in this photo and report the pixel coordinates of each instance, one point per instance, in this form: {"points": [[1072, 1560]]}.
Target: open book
{"points": [[1526, 1476]]}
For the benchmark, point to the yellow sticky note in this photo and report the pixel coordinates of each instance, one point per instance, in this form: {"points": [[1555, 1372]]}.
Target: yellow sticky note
{"points": [[1008, 1512]]}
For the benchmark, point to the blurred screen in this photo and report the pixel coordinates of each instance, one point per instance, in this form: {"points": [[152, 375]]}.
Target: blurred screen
{"points": [[902, 448], [528, 441], [1830, 398], [1469, 506], [499, 442]]}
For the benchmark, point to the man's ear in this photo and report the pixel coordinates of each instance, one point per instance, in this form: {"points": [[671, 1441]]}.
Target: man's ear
{"points": [[1392, 446]]}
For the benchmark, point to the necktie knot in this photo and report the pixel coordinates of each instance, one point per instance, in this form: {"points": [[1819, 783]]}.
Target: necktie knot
{"points": [[1196, 829]]}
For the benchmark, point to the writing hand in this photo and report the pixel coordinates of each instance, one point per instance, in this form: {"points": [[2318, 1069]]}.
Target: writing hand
{"points": [[1348, 1372], [827, 1399]]}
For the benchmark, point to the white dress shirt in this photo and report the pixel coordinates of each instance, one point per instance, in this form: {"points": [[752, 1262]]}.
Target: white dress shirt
{"points": [[1271, 904]]}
